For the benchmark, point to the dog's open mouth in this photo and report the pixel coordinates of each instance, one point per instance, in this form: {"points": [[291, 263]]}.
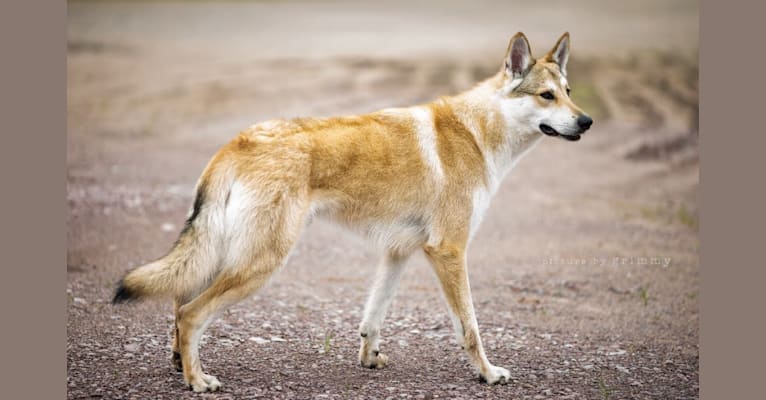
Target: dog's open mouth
{"points": [[548, 130]]}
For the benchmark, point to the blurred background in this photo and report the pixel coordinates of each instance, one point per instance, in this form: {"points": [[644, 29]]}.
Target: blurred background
{"points": [[585, 272]]}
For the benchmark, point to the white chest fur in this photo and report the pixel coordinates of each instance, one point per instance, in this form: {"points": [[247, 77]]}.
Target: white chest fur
{"points": [[498, 166]]}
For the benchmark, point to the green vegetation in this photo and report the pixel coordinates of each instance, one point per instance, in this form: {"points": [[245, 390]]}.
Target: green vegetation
{"points": [[606, 391], [643, 292], [328, 336]]}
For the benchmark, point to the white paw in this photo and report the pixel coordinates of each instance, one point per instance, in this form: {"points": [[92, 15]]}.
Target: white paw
{"points": [[213, 383], [376, 360], [497, 375], [207, 383]]}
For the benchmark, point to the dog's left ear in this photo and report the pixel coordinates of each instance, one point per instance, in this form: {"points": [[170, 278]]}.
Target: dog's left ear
{"points": [[559, 54]]}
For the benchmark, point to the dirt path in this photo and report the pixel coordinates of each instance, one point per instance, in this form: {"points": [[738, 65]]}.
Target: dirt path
{"points": [[585, 272]]}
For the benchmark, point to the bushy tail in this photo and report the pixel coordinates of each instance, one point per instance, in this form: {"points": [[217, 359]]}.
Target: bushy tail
{"points": [[194, 259]]}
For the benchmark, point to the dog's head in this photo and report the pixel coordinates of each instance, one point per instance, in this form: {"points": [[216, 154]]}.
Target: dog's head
{"points": [[535, 92]]}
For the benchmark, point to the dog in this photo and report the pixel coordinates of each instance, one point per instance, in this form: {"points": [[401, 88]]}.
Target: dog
{"points": [[407, 178]]}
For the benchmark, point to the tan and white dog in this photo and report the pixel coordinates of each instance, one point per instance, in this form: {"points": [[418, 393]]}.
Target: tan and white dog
{"points": [[408, 178]]}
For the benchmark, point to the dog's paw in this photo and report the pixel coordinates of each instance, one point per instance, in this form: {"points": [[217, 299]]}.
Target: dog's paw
{"points": [[496, 375], [375, 360], [205, 383], [175, 361]]}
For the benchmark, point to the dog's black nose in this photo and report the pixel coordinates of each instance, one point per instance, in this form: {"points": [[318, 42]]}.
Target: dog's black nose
{"points": [[584, 122]]}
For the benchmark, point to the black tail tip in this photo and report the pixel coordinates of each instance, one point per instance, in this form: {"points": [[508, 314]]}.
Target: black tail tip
{"points": [[123, 294]]}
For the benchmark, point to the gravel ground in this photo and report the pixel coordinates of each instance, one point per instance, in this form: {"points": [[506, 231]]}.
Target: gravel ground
{"points": [[585, 272]]}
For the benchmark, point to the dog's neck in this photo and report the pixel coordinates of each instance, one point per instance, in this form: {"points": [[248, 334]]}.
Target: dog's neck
{"points": [[497, 123]]}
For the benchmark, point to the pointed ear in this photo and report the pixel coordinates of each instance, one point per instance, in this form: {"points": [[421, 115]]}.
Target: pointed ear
{"points": [[518, 58], [559, 54]]}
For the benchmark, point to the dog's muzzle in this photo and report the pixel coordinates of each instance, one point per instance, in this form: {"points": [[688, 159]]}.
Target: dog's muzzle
{"points": [[584, 123]]}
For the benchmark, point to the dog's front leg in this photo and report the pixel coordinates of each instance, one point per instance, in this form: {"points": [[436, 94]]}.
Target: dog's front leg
{"points": [[448, 260], [382, 293]]}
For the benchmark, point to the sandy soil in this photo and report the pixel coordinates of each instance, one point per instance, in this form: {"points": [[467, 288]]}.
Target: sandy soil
{"points": [[585, 272]]}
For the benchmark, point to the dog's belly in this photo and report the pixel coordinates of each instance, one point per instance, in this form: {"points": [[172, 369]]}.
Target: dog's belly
{"points": [[399, 236], [399, 232]]}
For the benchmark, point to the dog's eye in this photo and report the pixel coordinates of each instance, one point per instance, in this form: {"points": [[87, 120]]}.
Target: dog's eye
{"points": [[568, 91], [547, 95]]}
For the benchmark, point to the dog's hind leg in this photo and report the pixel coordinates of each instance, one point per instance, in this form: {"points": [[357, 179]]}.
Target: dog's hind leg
{"points": [[196, 315], [247, 268], [382, 293], [175, 353], [175, 356]]}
